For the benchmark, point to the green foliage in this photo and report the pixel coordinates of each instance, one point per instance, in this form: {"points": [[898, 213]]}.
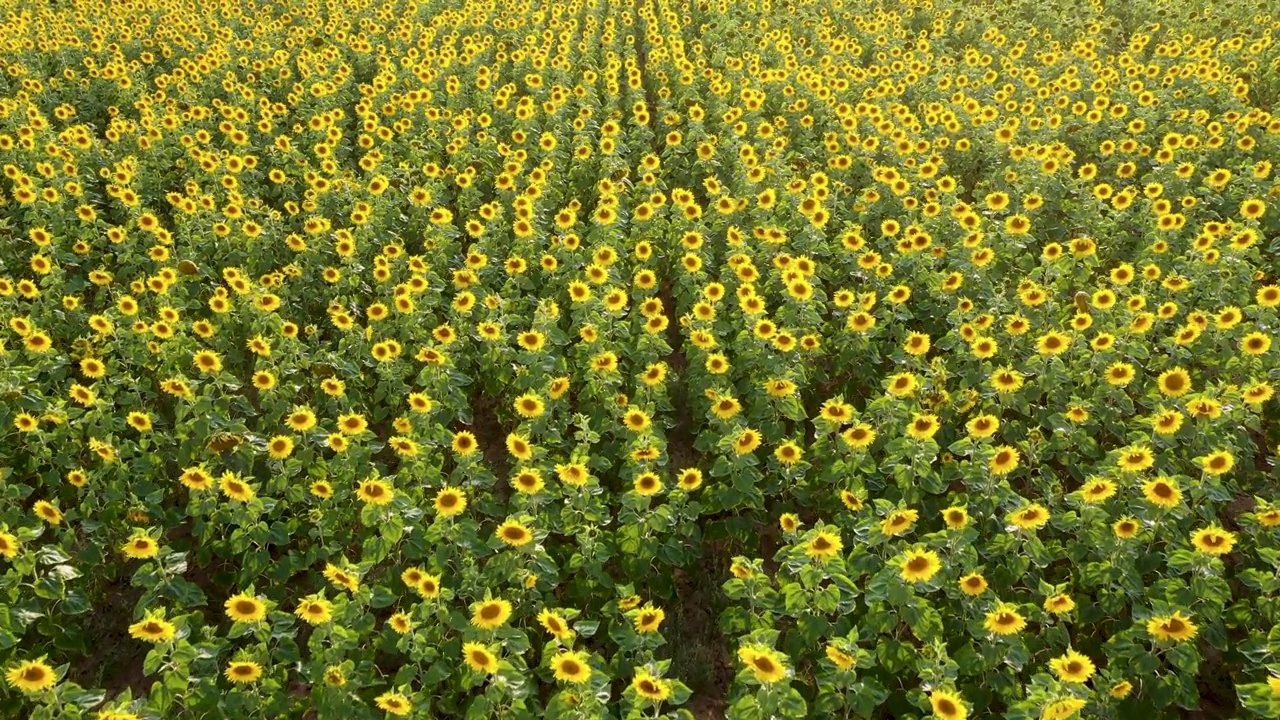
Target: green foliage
{"points": [[643, 360]]}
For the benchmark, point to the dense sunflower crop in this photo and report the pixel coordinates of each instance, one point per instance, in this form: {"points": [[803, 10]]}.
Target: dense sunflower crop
{"points": [[638, 359]]}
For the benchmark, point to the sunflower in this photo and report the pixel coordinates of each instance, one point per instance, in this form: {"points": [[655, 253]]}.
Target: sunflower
{"points": [[243, 672], [1004, 461], [394, 703], [375, 492], [529, 405], [788, 453], [955, 517], [1004, 620], [140, 547], [479, 658], [1135, 459], [574, 474], [650, 688], [859, 436], [95, 368], [1217, 463], [341, 578], [400, 622], [1062, 709], [1053, 343], [533, 340], [984, 347], [465, 443], [920, 566], [898, 522], [491, 614], [242, 607], [1213, 541], [1072, 667], [514, 534], [1255, 343], [648, 618], [923, 427], [836, 411], [351, 423], [1252, 208], [654, 374], [917, 343], [789, 522], [554, 623], [861, 321], [1097, 490], [1203, 408], [32, 676], [746, 442], [302, 419], [636, 420], [1267, 296], [1175, 382], [1167, 422], [1176, 627], [766, 665], [527, 481], [689, 479], [333, 387], [824, 545], [314, 610], [9, 545], [280, 447], [206, 361], [1119, 374], [571, 667], [1059, 604], [420, 403], [1031, 517], [1267, 517], [983, 426], [648, 484], [48, 512], [1162, 492], [140, 421], [851, 500], [842, 659], [605, 362], [519, 446], [1121, 690], [702, 339], [948, 705], [450, 501], [152, 630], [973, 584], [1126, 528], [1007, 380], [902, 384]]}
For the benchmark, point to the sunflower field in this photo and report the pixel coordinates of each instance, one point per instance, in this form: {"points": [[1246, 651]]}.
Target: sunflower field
{"points": [[639, 359]]}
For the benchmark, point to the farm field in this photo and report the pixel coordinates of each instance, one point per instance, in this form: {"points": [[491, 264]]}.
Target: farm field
{"points": [[639, 359]]}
